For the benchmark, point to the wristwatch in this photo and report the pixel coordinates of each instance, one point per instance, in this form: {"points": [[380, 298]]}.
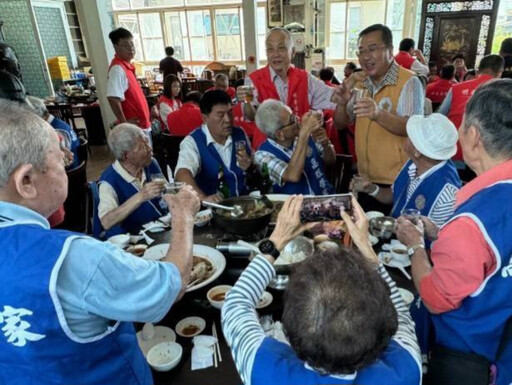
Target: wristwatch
{"points": [[411, 250], [268, 247]]}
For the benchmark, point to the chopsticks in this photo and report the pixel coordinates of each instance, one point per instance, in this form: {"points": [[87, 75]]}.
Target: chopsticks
{"points": [[216, 346]]}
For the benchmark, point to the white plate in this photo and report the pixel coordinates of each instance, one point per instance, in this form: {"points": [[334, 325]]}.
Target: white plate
{"points": [[374, 240], [157, 252], [189, 321], [265, 300], [201, 219], [387, 259], [278, 197], [162, 334], [154, 227], [406, 295], [374, 214], [216, 259]]}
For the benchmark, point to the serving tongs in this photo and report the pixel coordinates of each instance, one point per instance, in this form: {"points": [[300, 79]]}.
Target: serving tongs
{"points": [[235, 210]]}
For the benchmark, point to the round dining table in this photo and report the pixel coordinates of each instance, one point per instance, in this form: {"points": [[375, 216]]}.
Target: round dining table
{"points": [[195, 303]]}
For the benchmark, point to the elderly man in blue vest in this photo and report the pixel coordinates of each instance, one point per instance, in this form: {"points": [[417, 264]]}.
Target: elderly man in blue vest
{"points": [[466, 284], [131, 188], [428, 181], [216, 144], [68, 299], [295, 153]]}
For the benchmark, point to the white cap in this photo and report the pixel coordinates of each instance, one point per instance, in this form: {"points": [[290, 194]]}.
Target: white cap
{"points": [[434, 136]]}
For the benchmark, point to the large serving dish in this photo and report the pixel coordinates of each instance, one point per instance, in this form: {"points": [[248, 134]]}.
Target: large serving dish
{"points": [[251, 221], [214, 257]]}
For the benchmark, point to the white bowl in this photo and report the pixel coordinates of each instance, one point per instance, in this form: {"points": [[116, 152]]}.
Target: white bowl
{"points": [[265, 300], [121, 240], [197, 322], [217, 290], [374, 240], [203, 217], [165, 356], [399, 253]]}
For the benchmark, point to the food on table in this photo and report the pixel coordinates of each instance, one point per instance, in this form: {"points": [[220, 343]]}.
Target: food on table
{"points": [[277, 209], [286, 258], [219, 296], [190, 330], [137, 250], [251, 209], [202, 269]]}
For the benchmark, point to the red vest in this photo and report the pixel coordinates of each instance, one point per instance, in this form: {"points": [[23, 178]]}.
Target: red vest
{"points": [[239, 121], [461, 93], [174, 104], [134, 104], [438, 90], [297, 93], [404, 59]]}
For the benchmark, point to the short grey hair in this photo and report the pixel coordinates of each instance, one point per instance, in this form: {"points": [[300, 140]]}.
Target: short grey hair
{"points": [[489, 111], [222, 77], [268, 117], [289, 37], [122, 139], [38, 106], [24, 139]]}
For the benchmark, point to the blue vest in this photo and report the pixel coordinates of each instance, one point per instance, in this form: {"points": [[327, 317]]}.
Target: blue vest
{"points": [[277, 363], [313, 180], [146, 212], [43, 351], [67, 132], [234, 176], [477, 325], [425, 195]]}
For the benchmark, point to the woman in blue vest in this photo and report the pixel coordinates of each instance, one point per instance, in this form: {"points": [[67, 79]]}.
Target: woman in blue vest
{"points": [[428, 181], [344, 318], [295, 153], [216, 144], [129, 197]]}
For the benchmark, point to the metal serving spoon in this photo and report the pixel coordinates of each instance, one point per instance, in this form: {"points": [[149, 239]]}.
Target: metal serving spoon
{"points": [[235, 210]]}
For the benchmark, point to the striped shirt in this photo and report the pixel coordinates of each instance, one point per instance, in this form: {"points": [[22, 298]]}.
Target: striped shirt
{"points": [[412, 97], [444, 205], [276, 166], [244, 333]]}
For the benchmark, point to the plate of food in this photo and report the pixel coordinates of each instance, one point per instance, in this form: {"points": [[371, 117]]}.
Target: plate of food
{"points": [[278, 201], [207, 264]]}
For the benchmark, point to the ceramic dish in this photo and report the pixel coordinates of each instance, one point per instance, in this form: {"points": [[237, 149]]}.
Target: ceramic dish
{"points": [[162, 334], [265, 300], [165, 356], [387, 259], [190, 326], [406, 295]]}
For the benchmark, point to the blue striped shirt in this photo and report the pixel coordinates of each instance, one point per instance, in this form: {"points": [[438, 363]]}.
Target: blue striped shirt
{"points": [[244, 333]]}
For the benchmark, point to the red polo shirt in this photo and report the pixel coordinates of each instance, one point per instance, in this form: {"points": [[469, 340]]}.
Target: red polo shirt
{"points": [[185, 120], [462, 258], [438, 90]]}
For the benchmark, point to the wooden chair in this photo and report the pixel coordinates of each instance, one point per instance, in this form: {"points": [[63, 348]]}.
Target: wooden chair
{"points": [[340, 173]]}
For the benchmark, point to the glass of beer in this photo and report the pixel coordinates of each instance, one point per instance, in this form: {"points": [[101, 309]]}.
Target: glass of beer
{"points": [[249, 95]]}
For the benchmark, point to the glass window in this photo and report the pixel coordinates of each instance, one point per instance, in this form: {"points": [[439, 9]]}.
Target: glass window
{"points": [[131, 23], [177, 34], [227, 24], [261, 19], [201, 42], [354, 27], [336, 48], [503, 27], [120, 4], [151, 32], [395, 20]]}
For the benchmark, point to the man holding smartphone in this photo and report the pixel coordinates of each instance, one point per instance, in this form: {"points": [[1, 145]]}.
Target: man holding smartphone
{"points": [[295, 154]]}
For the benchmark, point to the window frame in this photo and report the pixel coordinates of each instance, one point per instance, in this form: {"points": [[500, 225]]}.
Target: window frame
{"points": [[211, 8]]}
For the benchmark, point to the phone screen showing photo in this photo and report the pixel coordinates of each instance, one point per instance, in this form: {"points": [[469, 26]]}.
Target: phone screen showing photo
{"points": [[325, 208]]}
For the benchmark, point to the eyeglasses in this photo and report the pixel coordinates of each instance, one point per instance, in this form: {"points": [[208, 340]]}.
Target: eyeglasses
{"points": [[291, 121], [372, 50]]}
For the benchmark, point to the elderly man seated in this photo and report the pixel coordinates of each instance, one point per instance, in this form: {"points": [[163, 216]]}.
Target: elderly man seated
{"points": [[294, 152], [214, 146], [68, 137], [222, 83], [131, 188], [343, 316], [428, 181], [69, 299], [465, 283]]}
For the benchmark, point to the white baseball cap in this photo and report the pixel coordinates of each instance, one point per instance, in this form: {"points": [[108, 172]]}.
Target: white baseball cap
{"points": [[434, 136]]}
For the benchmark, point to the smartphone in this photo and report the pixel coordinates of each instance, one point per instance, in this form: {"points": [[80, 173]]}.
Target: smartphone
{"points": [[325, 208]]}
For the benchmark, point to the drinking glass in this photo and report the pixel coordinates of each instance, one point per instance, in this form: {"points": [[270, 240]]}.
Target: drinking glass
{"points": [[174, 187], [249, 95], [359, 94], [413, 215]]}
